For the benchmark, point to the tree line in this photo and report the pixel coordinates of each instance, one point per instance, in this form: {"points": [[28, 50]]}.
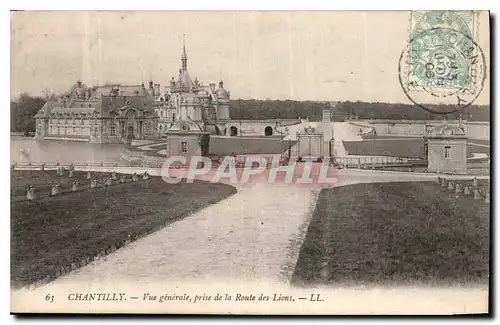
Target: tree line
{"points": [[291, 109], [24, 108]]}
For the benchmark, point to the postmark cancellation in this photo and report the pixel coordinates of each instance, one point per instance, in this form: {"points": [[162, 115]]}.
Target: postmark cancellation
{"points": [[443, 63]]}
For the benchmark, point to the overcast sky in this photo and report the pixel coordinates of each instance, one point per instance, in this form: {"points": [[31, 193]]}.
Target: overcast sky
{"points": [[276, 55]]}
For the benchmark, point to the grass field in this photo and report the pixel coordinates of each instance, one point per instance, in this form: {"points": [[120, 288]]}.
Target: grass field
{"points": [[395, 233], [53, 235]]}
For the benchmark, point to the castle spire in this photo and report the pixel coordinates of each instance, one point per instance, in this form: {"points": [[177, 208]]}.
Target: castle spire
{"points": [[184, 56]]}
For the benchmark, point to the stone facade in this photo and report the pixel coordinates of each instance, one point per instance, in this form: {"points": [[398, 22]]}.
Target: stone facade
{"points": [[102, 115], [447, 150], [184, 144]]}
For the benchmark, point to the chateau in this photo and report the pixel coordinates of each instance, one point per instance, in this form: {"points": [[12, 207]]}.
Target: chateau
{"points": [[121, 113]]}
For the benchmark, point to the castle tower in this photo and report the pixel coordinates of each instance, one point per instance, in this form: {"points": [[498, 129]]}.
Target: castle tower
{"points": [[222, 104]]}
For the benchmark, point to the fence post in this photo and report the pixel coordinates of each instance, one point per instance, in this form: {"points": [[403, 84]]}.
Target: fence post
{"points": [[477, 195], [55, 189]]}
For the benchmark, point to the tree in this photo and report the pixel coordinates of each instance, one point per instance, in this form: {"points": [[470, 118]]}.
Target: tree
{"points": [[49, 94], [23, 110]]}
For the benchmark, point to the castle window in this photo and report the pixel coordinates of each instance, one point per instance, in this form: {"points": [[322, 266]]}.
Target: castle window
{"points": [[112, 128], [184, 147], [447, 152]]}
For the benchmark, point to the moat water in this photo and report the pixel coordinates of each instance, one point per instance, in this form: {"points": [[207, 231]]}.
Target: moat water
{"points": [[25, 149]]}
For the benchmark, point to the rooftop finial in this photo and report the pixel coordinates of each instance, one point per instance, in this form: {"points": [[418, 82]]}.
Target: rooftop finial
{"points": [[184, 56]]}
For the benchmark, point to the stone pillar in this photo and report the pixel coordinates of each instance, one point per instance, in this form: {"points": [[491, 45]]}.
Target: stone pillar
{"points": [[467, 190], [30, 193], [89, 175], [74, 188], [477, 195], [55, 189], [451, 186], [458, 188], [93, 183]]}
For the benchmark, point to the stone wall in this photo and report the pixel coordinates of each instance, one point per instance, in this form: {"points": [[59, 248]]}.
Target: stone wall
{"points": [[413, 128]]}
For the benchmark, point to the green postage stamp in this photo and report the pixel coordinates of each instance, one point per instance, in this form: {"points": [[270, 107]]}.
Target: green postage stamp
{"points": [[443, 63]]}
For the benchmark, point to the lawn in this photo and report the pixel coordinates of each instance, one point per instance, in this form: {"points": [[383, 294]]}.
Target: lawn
{"points": [[394, 147], [395, 233], [53, 235]]}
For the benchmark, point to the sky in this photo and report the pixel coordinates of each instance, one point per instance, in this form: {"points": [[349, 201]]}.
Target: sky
{"points": [[301, 55]]}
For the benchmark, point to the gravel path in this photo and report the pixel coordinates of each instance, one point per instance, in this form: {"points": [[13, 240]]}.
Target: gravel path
{"points": [[253, 235]]}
